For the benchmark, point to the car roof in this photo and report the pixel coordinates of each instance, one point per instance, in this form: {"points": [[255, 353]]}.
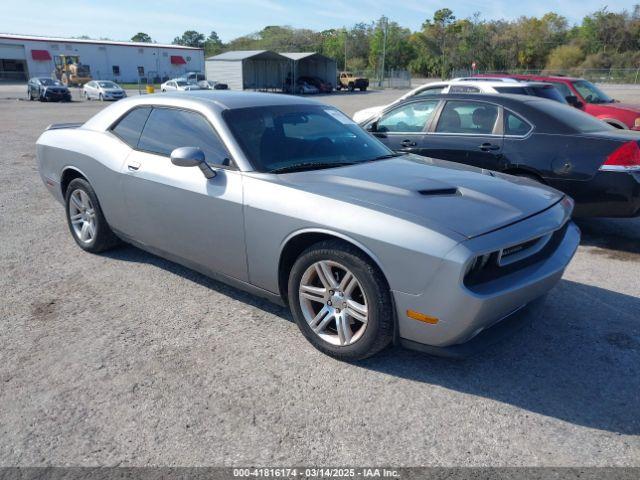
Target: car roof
{"points": [[505, 99]]}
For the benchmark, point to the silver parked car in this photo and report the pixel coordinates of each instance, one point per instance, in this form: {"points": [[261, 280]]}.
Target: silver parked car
{"points": [[102, 90], [291, 200]]}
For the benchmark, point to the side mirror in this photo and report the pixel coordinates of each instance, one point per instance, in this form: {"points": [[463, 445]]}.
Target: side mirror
{"points": [[573, 101], [372, 127], [191, 157]]}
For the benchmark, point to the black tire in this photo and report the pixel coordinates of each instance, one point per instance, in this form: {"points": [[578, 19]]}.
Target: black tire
{"points": [[351, 87], [363, 89], [380, 325], [104, 238]]}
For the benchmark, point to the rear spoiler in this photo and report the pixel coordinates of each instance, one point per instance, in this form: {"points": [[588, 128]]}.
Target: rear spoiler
{"points": [[59, 126]]}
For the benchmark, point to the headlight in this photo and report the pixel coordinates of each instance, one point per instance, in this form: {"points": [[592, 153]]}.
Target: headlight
{"points": [[636, 123]]}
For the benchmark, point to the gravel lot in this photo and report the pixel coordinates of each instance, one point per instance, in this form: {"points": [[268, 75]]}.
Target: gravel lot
{"points": [[127, 359]]}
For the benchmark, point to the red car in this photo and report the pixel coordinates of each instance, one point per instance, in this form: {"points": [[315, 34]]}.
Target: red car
{"points": [[587, 97]]}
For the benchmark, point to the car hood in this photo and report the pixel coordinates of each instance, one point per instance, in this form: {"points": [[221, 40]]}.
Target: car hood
{"points": [[435, 193], [627, 107]]}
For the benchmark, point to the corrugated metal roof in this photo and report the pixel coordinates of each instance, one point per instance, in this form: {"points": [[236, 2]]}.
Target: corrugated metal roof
{"points": [[243, 55], [36, 38], [300, 55]]}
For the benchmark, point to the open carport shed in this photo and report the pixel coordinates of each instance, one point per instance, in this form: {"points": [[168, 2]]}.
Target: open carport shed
{"points": [[249, 69], [311, 64]]}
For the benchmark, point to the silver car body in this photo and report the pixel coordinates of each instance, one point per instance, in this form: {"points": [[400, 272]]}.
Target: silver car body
{"points": [[422, 221], [94, 89], [178, 85]]}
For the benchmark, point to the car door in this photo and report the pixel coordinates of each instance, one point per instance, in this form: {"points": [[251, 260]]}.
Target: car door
{"points": [[90, 90], [403, 127], [466, 131], [177, 210]]}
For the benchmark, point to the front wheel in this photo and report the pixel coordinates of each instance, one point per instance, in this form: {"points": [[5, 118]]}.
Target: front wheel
{"points": [[86, 221], [341, 301], [351, 87]]}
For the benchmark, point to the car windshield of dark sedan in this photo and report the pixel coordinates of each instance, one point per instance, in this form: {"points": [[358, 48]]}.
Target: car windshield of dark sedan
{"points": [[48, 82], [591, 93], [297, 137]]}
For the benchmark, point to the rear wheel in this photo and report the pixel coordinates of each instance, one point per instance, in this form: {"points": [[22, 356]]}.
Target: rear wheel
{"points": [[86, 221], [363, 89], [340, 301], [351, 87]]}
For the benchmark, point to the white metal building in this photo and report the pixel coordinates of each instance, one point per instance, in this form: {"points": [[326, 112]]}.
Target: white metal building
{"points": [[24, 56], [249, 69]]}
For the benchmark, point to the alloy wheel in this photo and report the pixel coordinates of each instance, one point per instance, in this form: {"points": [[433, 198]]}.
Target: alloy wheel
{"points": [[82, 215], [333, 303]]}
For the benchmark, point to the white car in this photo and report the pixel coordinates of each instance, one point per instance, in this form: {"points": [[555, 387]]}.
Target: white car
{"points": [[178, 85], [305, 88], [470, 85], [103, 90], [212, 85]]}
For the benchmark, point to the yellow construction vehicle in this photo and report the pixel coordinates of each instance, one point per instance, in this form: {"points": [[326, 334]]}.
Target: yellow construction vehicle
{"points": [[70, 71]]}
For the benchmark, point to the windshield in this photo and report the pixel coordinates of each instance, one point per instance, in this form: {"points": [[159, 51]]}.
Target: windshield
{"points": [[47, 82], [591, 93], [108, 85], [573, 118], [284, 136], [181, 83]]}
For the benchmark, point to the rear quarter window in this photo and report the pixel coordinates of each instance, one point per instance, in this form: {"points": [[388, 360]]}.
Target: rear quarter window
{"points": [[129, 128], [573, 118]]}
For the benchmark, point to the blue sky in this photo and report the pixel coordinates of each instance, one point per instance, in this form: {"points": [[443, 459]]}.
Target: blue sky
{"points": [[163, 20]]}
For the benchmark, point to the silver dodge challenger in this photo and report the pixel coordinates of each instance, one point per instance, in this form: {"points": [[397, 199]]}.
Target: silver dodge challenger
{"points": [[291, 200]]}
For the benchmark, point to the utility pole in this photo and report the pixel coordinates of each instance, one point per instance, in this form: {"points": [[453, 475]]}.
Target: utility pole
{"points": [[384, 50], [345, 49]]}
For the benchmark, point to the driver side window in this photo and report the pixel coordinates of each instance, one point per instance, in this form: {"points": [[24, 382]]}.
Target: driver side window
{"points": [[168, 128], [411, 118]]}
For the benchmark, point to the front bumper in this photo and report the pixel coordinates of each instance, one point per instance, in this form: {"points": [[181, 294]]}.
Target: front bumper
{"points": [[56, 96], [607, 194], [114, 95], [463, 312]]}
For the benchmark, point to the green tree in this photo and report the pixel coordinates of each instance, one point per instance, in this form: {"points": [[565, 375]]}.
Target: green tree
{"points": [[141, 37], [190, 38], [565, 56], [213, 45]]}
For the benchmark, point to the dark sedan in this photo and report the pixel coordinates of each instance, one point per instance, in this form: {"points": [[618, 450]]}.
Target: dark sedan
{"points": [[321, 85], [552, 143], [47, 90]]}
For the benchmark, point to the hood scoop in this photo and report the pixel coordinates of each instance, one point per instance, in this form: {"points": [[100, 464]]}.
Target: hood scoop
{"points": [[439, 192]]}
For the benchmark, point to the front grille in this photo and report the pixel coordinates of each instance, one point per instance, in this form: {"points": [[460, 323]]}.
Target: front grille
{"points": [[492, 269]]}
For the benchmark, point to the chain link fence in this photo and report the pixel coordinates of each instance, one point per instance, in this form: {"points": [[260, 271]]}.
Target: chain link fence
{"points": [[392, 78], [599, 75]]}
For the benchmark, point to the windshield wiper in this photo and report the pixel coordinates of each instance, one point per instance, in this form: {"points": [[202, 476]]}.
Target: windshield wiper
{"points": [[299, 167]]}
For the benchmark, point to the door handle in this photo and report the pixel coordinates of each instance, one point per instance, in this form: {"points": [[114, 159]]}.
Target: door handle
{"points": [[133, 165], [408, 143], [487, 147]]}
